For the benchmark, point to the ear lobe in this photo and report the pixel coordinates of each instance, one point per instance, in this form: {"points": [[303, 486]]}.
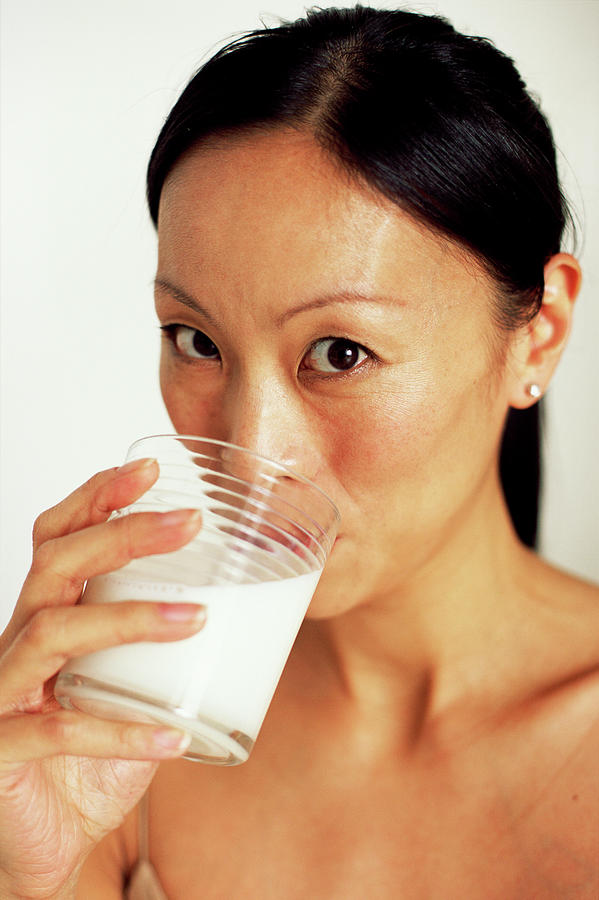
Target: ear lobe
{"points": [[540, 344]]}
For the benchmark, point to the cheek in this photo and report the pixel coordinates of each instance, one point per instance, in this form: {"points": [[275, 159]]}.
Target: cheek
{"points": [[423, 447], [373, 446], [190, 411]]}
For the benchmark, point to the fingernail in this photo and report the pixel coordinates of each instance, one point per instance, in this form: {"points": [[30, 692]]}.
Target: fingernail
{"points": [[135, 464], [171, 739], [180, 517], [183, 612]]}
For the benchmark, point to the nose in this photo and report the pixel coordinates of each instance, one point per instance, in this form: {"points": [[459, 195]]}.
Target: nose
{"points": [[265, 417]]}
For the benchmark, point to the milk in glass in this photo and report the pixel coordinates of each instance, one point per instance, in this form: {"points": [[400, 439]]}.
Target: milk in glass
{"points": [[220, 680]]}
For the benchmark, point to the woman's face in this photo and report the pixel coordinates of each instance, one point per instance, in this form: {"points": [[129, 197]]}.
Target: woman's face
{"points": [[307, 318]]}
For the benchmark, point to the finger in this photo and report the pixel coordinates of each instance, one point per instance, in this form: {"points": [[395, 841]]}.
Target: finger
{"points": [[61, 566], [54, 635], [93, 502], [24, 738]]}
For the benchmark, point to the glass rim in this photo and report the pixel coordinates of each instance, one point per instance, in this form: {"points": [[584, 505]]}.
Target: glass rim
{"points": [[258, 456]]}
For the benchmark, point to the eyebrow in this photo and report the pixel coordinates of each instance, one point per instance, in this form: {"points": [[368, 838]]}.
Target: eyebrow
{"points": [[184, 298], [318, 303], [330, 300]]}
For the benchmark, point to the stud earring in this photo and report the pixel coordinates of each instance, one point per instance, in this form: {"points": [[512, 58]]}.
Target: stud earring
{"points": [[533, 390]]}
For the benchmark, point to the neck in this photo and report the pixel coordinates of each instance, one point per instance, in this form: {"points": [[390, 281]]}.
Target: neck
{"points": [[451, 632]]}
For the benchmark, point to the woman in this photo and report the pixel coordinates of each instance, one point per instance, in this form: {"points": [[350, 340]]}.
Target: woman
{"points": [[359, 274]]}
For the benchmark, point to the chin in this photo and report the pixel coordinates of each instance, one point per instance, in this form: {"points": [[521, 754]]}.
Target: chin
{"points": [[319, 610], [354, 579], [336, 592]]}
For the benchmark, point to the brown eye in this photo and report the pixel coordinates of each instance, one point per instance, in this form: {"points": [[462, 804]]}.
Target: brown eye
{"points": [[334, 355], [194, 343]]}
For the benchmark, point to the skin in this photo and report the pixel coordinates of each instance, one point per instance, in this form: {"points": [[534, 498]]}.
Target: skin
{"points": [[435, 731]]}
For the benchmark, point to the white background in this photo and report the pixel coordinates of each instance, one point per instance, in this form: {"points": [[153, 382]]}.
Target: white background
{"points": [[85, 88]]}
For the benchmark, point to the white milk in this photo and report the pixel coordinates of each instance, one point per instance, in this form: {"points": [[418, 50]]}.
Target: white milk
{"points": [[227, 672]]}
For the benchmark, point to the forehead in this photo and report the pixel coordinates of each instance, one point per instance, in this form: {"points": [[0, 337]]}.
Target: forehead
{"points": [[274, 211]]}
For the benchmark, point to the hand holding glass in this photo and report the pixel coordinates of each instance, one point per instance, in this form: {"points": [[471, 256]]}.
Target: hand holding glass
{"points": [[265, 536]]}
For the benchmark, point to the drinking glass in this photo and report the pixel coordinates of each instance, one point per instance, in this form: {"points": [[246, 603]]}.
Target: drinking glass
{"points": [[265, 536]]}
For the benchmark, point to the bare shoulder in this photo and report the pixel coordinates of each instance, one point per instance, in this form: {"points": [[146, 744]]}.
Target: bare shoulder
{"points": [[559, 814], [559, 821], [548, 751], [569, 606], [563, 584], [570, 699]]}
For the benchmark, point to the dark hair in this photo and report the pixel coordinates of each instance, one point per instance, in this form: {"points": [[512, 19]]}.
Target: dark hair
{"points": [[439, 122]]}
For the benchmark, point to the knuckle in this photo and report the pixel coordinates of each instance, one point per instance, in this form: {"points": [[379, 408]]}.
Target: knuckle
{"points": [[127, 622], [95, 498], [127, 528], [38, 629], [135, 739], [46, 635], [98, 479], [127, 627], [44, 557], [49, 559], [114, 628], [40, 527]]}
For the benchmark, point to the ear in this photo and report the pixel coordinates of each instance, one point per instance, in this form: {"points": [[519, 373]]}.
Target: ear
{"points": [[539, 345]]}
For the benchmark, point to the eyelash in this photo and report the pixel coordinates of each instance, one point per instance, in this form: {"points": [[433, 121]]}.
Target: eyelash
{"points": [[171, 333], [369, 358]]}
